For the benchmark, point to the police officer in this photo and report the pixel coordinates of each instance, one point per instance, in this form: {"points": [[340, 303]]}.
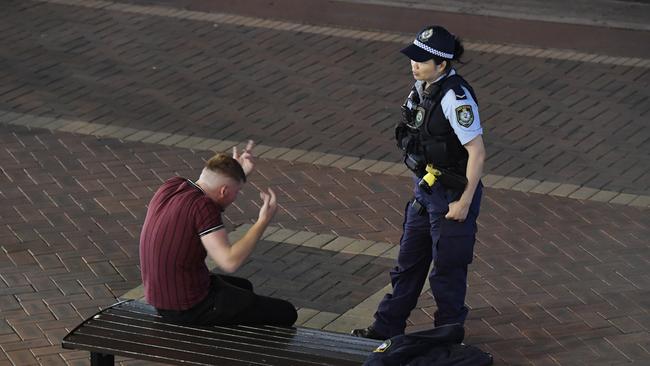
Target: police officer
{"points": [[440, 137]]}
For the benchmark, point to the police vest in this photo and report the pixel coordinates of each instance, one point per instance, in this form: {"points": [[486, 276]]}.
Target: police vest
{"points": [[429, 132]]}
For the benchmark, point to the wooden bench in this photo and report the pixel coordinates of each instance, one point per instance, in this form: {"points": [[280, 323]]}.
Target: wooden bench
{"points": [[134, 330]]}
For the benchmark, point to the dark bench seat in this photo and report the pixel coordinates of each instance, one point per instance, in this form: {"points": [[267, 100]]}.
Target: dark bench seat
{"points": [[134, 330]]}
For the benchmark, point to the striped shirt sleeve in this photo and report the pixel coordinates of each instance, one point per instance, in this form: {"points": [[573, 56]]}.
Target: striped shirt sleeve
{"points": [[207, 218]]}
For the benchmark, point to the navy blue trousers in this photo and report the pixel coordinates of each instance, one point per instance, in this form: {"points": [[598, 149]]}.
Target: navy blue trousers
{"points": [[429, 237]]}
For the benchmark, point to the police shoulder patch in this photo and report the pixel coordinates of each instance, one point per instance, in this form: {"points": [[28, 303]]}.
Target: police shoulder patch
{"points": [[465, 115], [383, 347]]}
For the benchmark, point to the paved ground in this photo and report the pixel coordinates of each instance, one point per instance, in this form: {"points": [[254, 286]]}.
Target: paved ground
{"points": [[632, 14], [100, 103]]}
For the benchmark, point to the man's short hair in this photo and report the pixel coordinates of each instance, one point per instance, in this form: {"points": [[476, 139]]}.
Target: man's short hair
{"points": [[226, 165]]}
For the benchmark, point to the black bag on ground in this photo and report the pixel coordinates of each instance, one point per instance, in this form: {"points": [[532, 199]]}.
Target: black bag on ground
{"points": [[440, 346]]}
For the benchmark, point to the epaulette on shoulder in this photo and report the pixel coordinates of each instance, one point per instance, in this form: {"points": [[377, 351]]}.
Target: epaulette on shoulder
{"points": [[460, 93], [455, 83]]}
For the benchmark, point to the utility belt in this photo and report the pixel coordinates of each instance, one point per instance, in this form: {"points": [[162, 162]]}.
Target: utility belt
{"points": [[429, 174]]}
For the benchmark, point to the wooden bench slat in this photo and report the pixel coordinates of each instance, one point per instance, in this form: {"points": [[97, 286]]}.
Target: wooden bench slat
{"points": [[144, 352], [224, 346], [136, 326], [274, 334], [146, 311], [142, 308], [135, 330]]}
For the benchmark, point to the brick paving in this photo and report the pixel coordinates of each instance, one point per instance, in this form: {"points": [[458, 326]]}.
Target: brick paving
{"points": [[555, 281], [624, 13], [557, 120]]}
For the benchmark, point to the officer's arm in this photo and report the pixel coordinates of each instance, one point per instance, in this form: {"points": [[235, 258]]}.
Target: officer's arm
{"points": [[476, 151], [230, 257]]}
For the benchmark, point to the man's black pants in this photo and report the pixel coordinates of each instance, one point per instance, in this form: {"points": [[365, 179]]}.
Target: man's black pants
{"points": [[231, 300]]}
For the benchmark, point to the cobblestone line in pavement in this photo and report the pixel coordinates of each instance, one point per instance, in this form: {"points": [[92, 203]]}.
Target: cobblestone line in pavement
{"points": [[314, 157], [546, 120], [349, 33]]}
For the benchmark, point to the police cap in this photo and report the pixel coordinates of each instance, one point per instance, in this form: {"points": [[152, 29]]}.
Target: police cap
{"points": [[432, 41]]}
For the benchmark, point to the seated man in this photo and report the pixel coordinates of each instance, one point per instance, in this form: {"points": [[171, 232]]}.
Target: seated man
{"points": [[183, 226]]}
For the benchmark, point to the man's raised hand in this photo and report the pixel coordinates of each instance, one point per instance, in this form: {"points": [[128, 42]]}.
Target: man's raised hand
{"points": [[269, 206], [246, 157]]}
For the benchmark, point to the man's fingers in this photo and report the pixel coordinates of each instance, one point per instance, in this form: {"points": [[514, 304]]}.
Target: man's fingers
{"points": [[273, 198], [249, 145], [234, 152]]}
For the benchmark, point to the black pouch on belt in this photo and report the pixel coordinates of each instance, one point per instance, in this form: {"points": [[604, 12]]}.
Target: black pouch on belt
{"points": [[418, 207]]}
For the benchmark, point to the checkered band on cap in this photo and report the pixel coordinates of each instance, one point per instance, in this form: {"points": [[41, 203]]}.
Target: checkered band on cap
{"points": [[433, 51]]}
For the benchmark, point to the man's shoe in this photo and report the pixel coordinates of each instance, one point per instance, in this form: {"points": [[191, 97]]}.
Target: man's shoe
{"points": [[368, 332]]}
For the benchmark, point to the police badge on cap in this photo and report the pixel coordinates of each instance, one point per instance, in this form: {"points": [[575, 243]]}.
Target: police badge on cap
{"points": [[432, 41]]}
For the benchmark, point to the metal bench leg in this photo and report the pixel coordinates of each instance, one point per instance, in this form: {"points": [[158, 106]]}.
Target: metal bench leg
{"points": [[101, 359]]}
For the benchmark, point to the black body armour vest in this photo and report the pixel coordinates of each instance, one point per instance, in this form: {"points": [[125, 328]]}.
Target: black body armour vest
{"points": [[426, 134]]}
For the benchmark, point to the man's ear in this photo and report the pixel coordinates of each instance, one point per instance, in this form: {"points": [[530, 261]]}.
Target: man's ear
{"points": [[223, 190]]}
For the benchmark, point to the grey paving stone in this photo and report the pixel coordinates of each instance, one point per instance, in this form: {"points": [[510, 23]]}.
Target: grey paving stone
{"points": [[583, 193], [362, 164], [327, 159], [105, 131], [380, 167], [545, 187], [338, 244], [604, 196], [190, 142], [225, 146], [624, 198], [507, 182], [564, 190], [397, 169], [526, 185], [489, 180], [641, 201], [310, 157], [300, 237], [292, 154], [357, 246], [206, 144], [320, 320], [304, 315], [139, 135], [122, 132], [319, 240], [377, 249], [173, 139], [280, 235], [274, 153], [344, 162]]}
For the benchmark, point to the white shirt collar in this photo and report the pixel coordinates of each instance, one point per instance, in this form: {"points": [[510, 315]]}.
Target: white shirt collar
{"points": [[420, 83]]}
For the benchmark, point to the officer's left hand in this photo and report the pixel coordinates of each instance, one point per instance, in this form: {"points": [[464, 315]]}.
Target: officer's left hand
{"points": [[457, 211], [246, 158]]}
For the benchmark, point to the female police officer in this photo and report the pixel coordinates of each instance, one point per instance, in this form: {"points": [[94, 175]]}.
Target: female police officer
{"points": [[440, 137]]}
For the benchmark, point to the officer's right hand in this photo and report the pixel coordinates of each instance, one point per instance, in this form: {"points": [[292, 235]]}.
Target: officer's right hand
{"points": [[269, 206]]}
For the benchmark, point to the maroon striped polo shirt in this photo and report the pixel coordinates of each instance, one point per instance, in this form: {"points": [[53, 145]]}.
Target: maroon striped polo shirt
{"points": [[172, 257]]}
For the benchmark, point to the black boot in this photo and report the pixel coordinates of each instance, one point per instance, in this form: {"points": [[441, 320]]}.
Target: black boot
{"points": [[368, 332]]}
